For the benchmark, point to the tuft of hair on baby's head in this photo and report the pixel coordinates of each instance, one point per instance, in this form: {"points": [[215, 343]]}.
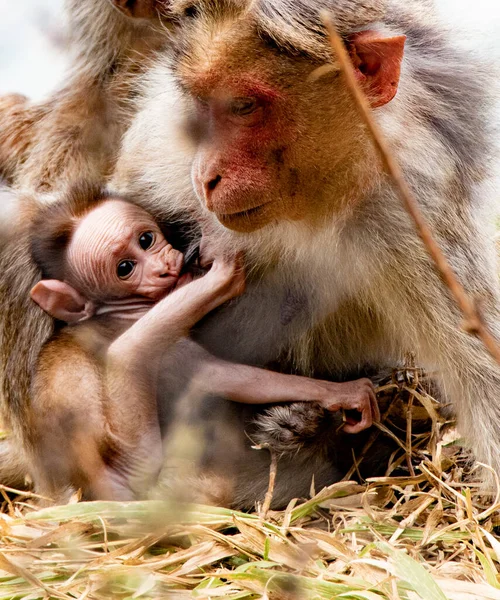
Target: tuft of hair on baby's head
{"points": [[54, 224]]}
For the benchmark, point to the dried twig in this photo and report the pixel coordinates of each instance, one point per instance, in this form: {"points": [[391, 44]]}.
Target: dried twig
{"points": [[23, 493], [473, 322], [273, 469], [409, 421]]}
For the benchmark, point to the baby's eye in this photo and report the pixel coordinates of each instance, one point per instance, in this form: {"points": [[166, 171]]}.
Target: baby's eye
{"points": [[125, 269], [146, 240]]}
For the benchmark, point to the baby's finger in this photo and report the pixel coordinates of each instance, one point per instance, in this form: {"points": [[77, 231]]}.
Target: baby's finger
{"points": [[365, 422]]}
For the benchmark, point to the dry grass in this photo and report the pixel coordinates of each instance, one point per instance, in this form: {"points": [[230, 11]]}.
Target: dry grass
{"points": [[426, 534]]}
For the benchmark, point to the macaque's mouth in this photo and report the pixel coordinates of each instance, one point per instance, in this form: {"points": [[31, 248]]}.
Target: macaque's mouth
{"points": [[252, 218], [241, 213]]}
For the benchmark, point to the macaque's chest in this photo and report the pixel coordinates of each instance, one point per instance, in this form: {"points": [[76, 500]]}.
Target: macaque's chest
{"points": [[292, 320]]}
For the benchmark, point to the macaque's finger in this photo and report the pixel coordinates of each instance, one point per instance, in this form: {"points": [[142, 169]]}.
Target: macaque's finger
{"points": [[230, 267], [240, 264], [210, 252], [205, 263]]}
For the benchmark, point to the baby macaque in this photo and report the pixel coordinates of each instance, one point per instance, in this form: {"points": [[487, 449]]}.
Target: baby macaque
{"points": [[128, 300]]}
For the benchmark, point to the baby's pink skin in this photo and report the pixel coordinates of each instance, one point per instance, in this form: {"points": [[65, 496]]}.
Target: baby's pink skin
{"points": [[110, 234]]}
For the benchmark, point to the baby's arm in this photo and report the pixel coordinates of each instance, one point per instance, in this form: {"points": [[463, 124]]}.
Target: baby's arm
{"points": [[171, 319], [134, 358], [251, 385]]}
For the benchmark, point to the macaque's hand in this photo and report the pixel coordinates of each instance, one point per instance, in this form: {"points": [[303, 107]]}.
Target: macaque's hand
{"points": [[356, 395]]}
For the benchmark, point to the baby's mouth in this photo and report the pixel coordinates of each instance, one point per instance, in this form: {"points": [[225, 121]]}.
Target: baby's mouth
{"points": [[170, 282], [175, 283]]}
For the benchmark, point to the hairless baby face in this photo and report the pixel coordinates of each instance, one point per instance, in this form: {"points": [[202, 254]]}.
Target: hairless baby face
{"points": [[118, 250]]}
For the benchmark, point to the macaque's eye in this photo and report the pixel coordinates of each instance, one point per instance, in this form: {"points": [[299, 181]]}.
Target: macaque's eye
{"points": [[125, 269], [146, 240], [243, 106]]}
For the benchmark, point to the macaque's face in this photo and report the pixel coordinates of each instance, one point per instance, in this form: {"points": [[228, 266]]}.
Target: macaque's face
{"points": [[276, 135], [118, 251]]}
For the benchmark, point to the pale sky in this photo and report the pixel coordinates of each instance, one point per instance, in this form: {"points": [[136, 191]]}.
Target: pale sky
{"points": [[474, 11], [32, 63]]}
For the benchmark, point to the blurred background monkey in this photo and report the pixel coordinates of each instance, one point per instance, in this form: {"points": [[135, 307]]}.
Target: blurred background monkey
{"points": [[74, 134]]}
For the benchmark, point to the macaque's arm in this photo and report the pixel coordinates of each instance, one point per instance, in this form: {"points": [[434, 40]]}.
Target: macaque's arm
{"points": [[251, 385]]}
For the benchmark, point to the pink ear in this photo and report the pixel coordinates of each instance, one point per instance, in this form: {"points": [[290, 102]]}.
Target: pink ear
{"points": [[62, 301], [377, 60]]}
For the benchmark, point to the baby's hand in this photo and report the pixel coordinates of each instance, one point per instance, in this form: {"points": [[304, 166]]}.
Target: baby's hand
{"points": [[227, 270], [208, 251], [228, 275], [356, 396]]}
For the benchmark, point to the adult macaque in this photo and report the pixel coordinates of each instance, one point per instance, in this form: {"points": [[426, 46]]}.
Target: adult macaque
{"points": [[275, 156], [74, 134], [110, 274]]}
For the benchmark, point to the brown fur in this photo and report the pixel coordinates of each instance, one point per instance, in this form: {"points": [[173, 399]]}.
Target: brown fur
{"points": [[66, 444], [16, 132], [76, 132], [73, 135]]}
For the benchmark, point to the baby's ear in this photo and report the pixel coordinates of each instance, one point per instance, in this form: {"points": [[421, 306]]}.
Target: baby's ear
{"points": [[62, 301]]}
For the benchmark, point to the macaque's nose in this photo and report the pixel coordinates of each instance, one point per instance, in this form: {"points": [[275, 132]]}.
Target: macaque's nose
{"points": [[210, 186]]}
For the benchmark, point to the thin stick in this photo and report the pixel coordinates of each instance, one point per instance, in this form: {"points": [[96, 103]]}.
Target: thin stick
{"points": [[409, 422], [23, 494], [273, 469], [473, 323]]}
